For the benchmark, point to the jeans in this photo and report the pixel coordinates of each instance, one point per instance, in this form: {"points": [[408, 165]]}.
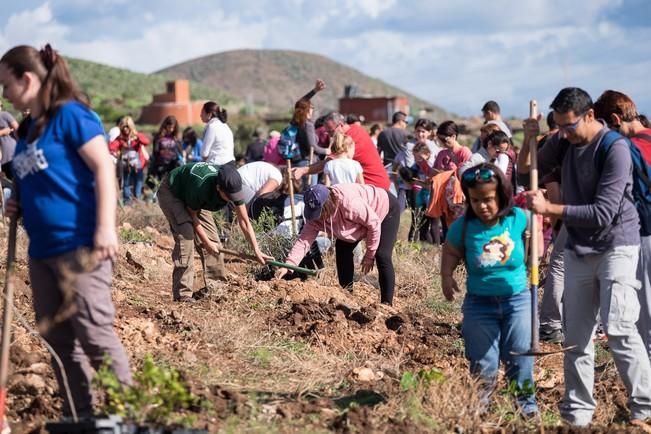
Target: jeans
{"points": [[550, 309], [492, 328], [603, 286], [132, 176]]}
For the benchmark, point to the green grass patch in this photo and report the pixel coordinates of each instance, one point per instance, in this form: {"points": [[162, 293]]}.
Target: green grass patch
{"points": [[132, 235]]}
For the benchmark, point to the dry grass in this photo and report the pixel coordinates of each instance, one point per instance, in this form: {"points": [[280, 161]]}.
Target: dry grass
{"points": [[281, 356]]}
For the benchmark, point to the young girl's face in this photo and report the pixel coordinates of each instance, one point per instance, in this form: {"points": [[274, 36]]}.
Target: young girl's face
{"points": [[492, 151], [421, 134], [419, 157], [20, 92], [484, 201]]}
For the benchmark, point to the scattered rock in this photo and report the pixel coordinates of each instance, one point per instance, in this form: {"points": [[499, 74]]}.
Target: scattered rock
{"points": [[152, 231], [32, 384], [364, 374], [133, 262], [190, 357]]}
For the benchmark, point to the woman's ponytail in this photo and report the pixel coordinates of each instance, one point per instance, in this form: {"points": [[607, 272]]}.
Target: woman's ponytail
{"points": [[222, 115]]}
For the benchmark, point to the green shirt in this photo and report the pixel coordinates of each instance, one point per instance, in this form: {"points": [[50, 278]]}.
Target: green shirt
{"points": [[196, 185]]}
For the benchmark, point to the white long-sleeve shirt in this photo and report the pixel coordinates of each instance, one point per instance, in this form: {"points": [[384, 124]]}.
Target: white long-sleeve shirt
{"points": [[218, 144]]}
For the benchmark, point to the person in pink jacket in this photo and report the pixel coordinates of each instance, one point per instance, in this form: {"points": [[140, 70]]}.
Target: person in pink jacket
{"points": [[351, 213]]}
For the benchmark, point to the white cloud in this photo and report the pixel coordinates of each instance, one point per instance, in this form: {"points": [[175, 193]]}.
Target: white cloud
{"points": [[35, 27], [456, 54]]}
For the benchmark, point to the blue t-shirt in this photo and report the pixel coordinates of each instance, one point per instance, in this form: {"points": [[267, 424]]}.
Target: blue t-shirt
{"points": [[57, 189], [495, 257], [196, 151]]}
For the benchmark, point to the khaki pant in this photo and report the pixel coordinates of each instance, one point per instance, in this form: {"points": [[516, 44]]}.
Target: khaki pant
{"points": [[73, 306], [186, 241]]}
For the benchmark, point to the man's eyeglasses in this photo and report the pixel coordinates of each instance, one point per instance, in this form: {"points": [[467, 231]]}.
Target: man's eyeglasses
{"points": [[473, 176], [574, 125]]}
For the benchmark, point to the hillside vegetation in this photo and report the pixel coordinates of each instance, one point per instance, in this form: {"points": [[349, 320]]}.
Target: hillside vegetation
{"points": [[274, 79], [115, 92]]}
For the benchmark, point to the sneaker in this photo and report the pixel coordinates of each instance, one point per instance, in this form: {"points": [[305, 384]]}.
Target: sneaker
{"points": [[552, 336], [185, 299], [600, 334]]}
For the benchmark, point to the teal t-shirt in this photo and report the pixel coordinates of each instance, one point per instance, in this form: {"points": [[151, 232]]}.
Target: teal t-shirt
{"points": [[495, 256]]}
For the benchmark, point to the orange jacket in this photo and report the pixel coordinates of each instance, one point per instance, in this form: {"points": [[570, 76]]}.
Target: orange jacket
{"points": [[447, 197]]}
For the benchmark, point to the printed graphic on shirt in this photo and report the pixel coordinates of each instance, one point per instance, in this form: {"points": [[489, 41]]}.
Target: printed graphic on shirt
{"points": [[30, 161], [497, 251], [198, 170]]}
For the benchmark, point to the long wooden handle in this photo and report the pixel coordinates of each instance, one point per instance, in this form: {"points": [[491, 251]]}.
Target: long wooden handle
{"points": [[291, 196], [7, 314], [533, 151]]}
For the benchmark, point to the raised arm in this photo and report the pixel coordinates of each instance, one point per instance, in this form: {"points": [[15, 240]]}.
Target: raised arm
{"points": [[319, 85]]}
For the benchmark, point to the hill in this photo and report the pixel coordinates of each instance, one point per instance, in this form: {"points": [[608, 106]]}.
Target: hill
{"points": [[115, 92], [274, 79]]}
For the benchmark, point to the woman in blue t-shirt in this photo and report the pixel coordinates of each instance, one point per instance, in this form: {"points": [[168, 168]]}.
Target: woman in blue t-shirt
{"points": [[67, 197], [490, 238]]}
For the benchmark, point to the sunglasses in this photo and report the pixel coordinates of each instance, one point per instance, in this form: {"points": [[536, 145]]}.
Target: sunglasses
{"points": [[482, 175]]}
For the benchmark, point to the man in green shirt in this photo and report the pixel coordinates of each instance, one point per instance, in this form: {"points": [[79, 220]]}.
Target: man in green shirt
{"points": [[188, 195]]}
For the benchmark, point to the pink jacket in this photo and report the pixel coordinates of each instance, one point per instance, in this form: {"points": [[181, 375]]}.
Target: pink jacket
{"points": [[359, 214]]}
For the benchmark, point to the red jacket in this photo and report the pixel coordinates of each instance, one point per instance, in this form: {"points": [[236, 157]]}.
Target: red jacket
{"points": [[121, 144]]}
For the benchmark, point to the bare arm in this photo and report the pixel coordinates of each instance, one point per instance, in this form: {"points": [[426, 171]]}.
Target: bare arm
{"points": [[268, 187], [247, 229], [450, 260], [326, 180], [95, 155], [313, 169], [360, 178]]}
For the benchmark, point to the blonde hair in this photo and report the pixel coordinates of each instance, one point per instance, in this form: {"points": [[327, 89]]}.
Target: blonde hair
{"points": [[340, 143], [128, 122]]}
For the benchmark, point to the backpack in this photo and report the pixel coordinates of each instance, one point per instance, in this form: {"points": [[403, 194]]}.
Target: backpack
{"points": [[641, 176], [131, 159], [287, 145]]}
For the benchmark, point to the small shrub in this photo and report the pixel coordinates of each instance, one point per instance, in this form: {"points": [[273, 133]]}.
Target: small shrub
{"points": [[157, 396], [132, 235], [515, 390], [411, 380]]}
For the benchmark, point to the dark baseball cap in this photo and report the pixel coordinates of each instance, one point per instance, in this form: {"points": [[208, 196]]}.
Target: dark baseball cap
{"points": [[230, 182], [314, 198]]}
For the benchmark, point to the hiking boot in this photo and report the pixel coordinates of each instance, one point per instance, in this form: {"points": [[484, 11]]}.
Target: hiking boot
{"points": [[552, 336]]}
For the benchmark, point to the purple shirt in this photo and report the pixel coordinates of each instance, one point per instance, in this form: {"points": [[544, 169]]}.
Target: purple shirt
{"points": [[599, 210]]}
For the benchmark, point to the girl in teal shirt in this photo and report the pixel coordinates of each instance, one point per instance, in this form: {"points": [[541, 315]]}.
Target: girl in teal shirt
{"points": [[490, 238]]}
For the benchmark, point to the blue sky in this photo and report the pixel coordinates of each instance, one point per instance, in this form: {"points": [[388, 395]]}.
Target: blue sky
{"points": [[456, 54]]}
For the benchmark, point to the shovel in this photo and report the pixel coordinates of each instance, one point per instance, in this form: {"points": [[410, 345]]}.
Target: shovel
{"points": [[7, 314], [534, 349], [271, 262]]}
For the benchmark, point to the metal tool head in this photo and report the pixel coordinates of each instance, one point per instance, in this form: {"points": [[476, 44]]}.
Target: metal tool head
{"points": [[539, 352]]}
